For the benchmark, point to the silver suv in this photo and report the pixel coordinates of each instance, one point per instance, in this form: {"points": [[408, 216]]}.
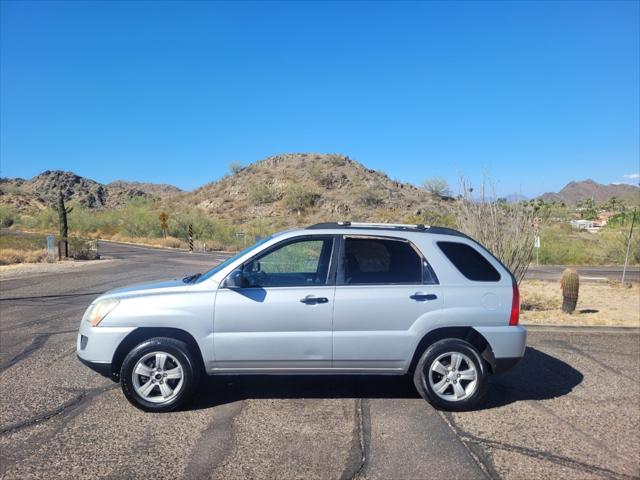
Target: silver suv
{"points": [[332, 298]]}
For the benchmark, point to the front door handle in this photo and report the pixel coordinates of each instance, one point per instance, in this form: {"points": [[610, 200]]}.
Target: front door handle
{"points": [[311, 300], [421, 297]]}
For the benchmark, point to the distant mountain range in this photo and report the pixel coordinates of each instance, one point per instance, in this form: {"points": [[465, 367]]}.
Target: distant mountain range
{"points": [[42, 190], [575, 191], [330, 185]]}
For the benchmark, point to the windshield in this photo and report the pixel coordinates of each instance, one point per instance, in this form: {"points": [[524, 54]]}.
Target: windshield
{"points": [[228, 261]]}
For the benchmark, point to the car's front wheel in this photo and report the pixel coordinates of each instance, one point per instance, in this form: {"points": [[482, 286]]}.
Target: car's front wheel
{"points": [[159, 375], [451, 375]]}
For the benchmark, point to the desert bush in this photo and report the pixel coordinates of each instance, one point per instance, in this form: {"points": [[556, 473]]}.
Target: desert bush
{"points": [[235, 167], [45, 219], [300, 197], [561, 247], [611, 246], [337, 160], [8, 216], [432, 218], [22, 248], [506, 230], [370, 197], [9, 256], [437, 186], [262, 193], [79, 249]]}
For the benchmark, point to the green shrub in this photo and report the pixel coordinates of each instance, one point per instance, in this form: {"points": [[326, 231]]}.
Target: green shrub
{"points": [[371, 197], [8, 216], [300, 197], [45, 219], [262, 193]]}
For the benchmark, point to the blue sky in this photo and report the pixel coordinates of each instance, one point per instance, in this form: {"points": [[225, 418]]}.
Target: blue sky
{"points": [[534, 94]]}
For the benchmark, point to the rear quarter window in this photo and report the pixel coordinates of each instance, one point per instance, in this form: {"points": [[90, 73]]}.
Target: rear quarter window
{"points": [[469, 262]]}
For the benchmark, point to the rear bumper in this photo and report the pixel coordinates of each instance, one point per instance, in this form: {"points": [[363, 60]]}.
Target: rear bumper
{"points": [[502, 365], [507, 345]]}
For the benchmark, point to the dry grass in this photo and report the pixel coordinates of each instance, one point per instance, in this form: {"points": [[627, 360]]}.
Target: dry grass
{"points": [[9, 256], [598, 304]]}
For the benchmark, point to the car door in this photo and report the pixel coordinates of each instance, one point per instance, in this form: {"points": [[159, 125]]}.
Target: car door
{"points": [[384, 287], [281, 317]]}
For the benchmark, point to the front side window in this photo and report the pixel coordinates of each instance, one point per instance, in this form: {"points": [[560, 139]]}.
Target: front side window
{"points": [[370, 261], [298, 263]]}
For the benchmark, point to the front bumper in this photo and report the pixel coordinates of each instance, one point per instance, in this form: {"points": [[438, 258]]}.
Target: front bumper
{"points": [[97, 345], [507, 343], [103, 369]]}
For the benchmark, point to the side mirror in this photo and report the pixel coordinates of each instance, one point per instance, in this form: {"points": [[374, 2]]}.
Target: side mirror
{"points": [[234, 280]]}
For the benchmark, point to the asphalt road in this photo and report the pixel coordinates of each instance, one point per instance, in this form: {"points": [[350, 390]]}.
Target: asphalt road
{"points": [[593, 273], [571, 409]]}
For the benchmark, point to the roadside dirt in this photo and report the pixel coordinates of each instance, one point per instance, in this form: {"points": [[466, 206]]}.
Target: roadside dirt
{"points": [[20, 269], [598, 304]]}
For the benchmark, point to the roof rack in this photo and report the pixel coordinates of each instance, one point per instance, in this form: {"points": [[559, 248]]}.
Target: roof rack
{"points": [[386, 226]]}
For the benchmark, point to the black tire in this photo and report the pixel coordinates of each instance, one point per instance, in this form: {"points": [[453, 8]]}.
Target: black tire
{"points": [[433, 352], [173, 347]]}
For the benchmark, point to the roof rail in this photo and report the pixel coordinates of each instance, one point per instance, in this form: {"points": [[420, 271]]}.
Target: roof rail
{"points": [[387, 226]]}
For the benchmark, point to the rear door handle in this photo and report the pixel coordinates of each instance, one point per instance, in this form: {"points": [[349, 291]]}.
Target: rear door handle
{"points": [[421, 297], [311, 300]]}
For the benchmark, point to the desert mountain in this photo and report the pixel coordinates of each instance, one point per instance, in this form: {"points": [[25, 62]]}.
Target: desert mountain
{"points": [[312, 187], [42, 190], [574, 191], [319, 186]]}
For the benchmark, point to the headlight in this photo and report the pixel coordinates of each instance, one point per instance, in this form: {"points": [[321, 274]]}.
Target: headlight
{"points": [[97, 311]]}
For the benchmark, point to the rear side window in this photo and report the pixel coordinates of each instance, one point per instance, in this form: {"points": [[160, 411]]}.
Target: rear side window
{"points": [[469, 262], [378, 261]]}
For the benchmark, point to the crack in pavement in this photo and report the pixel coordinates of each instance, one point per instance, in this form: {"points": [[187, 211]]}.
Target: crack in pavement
{"points": [[36, 344], [359, 452], [477, 453], [579, 351], [59, 295], [215, 443], [67, 406], [478, 446]]}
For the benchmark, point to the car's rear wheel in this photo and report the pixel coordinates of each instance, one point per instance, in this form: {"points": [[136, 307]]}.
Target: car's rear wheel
{"points": [[159, 375], [451, 375]]}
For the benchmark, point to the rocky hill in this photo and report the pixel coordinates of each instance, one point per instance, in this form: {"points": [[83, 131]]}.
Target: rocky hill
{"points": [[284, 189], [315, 187], [120, 191], [42, 190], [574, 191]]}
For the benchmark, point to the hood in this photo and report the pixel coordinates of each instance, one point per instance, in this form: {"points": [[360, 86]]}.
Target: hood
{"points": [[147, 288]]}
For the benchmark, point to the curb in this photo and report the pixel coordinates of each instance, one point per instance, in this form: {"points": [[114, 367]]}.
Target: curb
{"points": [[175, 249], [580, 328]]}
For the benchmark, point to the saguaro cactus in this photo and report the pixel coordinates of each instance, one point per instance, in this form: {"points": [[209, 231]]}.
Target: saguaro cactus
{"points": [[570, 284], [64, 226]]}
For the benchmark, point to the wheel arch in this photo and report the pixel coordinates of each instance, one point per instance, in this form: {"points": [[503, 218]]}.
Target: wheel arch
{"points": [[468, 334], [141, 334]]}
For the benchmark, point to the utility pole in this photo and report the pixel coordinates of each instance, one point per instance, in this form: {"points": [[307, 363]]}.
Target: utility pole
{"points": [[626, 257]]}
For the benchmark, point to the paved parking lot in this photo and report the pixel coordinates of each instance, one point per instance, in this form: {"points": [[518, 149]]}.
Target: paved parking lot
{"points": [[571, 409]]}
